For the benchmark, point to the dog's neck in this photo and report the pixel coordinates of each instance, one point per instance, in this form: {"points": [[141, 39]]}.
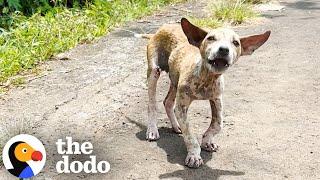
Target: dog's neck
{"points": [[202, 71]]}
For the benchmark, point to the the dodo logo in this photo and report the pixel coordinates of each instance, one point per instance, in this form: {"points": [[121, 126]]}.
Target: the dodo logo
{"points": [[24, 156]]}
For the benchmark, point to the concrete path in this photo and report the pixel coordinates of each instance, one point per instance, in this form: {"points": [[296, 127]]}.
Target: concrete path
{"points": [[272, 105]]}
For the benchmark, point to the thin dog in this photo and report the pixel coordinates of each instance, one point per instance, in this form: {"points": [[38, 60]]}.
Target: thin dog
{"points": [[195, 60]]}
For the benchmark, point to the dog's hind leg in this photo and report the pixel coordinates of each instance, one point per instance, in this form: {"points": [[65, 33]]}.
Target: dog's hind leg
{"points": [[169, 106], [157, 56], [153, 76]]}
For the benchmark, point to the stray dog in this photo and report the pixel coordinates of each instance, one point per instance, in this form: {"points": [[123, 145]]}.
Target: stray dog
{"points": [[195, 60]]}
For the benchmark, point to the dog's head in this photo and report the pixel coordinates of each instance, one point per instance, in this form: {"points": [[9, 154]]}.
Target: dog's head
{"points": [[220, 48]]}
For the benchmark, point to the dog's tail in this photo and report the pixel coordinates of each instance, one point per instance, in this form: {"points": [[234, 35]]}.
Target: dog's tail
{"points": [[145, 36], [137, 35]]}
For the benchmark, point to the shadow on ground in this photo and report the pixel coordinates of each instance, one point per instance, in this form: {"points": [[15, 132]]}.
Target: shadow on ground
{"points": [[174, 147], [302, 4]]}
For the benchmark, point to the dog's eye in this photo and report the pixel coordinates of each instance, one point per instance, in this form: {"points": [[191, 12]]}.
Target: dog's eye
{"points": [[236, 43], [211, 38]]}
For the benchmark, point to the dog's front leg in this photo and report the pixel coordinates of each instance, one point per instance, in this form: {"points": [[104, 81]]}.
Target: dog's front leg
{"points": [[215, 125], [193, 158]]}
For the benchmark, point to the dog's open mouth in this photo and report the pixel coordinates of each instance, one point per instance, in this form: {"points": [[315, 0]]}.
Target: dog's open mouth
{"points": [[219, 63]]}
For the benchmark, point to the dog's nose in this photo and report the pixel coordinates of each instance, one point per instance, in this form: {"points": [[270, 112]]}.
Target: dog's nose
{"points": [[223, 51]]}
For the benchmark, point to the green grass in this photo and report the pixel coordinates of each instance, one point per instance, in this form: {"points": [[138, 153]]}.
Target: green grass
{"points": [[209, 22], [227, 11], [37, 38], [18, 81], [235, 12]]}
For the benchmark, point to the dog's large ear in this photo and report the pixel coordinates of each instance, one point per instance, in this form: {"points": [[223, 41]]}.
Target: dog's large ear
{"points": [[250, 43], [194, 34]]}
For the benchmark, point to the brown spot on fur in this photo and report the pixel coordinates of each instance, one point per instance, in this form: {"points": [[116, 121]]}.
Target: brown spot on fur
{"points": [[196, 84], [186, 89]]}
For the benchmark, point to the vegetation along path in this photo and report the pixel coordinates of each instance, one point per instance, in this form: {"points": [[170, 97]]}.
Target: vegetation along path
{"points": [[98, 94]]}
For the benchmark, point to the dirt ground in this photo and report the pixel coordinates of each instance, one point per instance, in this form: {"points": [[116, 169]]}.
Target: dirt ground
{"points": [[99, 95]]}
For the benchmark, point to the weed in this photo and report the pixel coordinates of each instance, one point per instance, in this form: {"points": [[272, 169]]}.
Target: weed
{"points": [[235, 12], [17, 81], [229, 11], [209, 22]]}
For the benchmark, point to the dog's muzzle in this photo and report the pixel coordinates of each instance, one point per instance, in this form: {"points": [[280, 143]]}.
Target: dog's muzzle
{"points": [[219, 64]]}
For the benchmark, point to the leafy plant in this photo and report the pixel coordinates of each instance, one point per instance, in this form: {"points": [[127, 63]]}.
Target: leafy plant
{"points": [[30, 7], [14, 5]]}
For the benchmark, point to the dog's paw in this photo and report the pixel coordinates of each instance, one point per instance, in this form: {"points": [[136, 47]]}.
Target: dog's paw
{"points": [[209, 146], [177, 129], [193, 160], [152, 134]]}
